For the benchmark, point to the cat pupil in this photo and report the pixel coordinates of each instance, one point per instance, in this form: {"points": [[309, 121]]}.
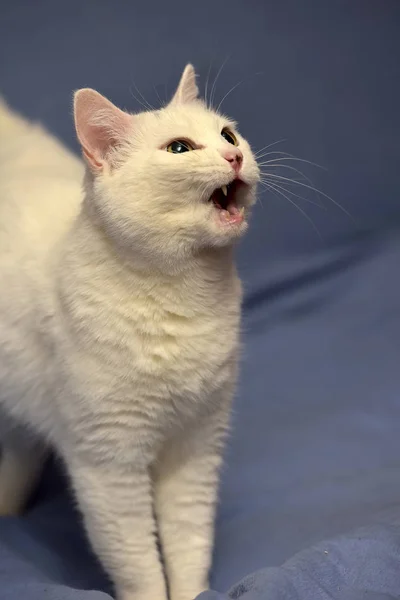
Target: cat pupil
{"points": [[178, 147], [228, 137]]}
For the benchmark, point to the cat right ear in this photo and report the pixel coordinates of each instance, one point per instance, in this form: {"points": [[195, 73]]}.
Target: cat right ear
{"points": [[100, 127], [187, 90]]}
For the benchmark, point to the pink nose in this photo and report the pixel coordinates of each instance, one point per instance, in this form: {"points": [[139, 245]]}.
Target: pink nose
{"points": [[235, 158]]}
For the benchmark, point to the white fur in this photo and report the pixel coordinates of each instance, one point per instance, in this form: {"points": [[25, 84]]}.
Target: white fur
{"points": [[119, 323]]}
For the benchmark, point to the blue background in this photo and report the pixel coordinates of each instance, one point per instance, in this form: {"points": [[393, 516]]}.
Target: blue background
{"points": [[315, 452]]}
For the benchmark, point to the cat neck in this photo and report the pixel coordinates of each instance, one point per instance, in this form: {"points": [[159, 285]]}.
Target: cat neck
{"points": [[89, 248]]}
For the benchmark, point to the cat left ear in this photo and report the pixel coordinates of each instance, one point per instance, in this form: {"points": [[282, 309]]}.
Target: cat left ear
{"points": [[187, 90], [100, 127]]}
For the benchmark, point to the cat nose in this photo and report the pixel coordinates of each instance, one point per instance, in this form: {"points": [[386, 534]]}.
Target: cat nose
{"points": [[235, 158]]}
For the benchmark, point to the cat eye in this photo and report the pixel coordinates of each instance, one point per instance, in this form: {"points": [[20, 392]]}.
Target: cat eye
{"points": [[229, 136], [179, 146]]}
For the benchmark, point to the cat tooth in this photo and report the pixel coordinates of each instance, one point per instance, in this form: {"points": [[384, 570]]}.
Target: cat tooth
{"points": [[241, 211], [224, 190]]}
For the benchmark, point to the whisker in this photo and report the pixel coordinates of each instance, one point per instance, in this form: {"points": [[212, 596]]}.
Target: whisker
{"points": [[268, 146], [166, 94], [162, 104], [305, 215], [236, 85], [138, 100], [259, 200], [213, 89], [296, 195], [285, 156], [151, 107], [145, 104], [309, 187], [291, 169], [207, 82], [227, 94]]}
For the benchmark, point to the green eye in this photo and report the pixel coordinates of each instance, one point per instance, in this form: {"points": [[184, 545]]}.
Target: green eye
{"points": [[229, 136], [179, 146]]}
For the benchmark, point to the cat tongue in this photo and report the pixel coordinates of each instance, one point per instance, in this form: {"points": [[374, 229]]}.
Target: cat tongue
{"points": [[224, 201], [231, 214]]}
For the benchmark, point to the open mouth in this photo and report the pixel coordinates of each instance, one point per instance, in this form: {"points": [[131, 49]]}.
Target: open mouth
{"points": [[225, 200]]}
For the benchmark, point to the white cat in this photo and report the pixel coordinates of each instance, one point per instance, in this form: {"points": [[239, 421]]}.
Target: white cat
{"points": [[119, 325]]}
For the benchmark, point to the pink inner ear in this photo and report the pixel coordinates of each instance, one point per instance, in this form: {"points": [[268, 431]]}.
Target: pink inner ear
{"points": [[100, 126]]}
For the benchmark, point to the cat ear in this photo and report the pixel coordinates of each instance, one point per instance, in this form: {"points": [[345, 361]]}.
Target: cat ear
{"points": [[187, 90], [100, 126]]}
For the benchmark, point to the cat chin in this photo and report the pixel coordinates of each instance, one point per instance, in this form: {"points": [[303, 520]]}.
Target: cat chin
{"points": [[225, 232]]}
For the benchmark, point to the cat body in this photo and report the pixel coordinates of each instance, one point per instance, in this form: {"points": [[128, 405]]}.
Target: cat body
{"points": [[119, 326]]}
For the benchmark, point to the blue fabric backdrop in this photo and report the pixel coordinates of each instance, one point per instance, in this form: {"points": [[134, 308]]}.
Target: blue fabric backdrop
{"points": [[315, 452]]}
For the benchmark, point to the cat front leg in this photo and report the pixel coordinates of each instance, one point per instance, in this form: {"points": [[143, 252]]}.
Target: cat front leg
{"points": [[186, 489], [116, 502]]}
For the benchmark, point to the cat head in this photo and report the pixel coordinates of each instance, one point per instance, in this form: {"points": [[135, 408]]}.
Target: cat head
{"points": [[169, 183]]}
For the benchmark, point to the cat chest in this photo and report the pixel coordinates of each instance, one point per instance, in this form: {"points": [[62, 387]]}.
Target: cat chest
{"points": [[180, 351], [147, 379], [173, 355]]}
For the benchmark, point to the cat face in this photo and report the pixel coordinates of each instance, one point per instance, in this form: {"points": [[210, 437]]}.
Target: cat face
{"points": [[167, 183]]}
